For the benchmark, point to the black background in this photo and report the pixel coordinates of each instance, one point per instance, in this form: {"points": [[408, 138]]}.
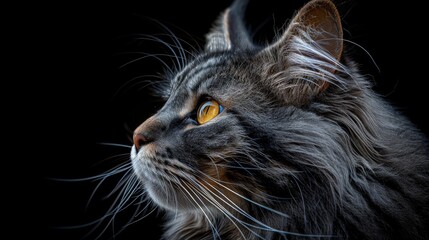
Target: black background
{"points": [[90, 99]]}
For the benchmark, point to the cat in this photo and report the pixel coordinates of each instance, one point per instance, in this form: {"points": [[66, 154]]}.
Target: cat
{"points": [[284, 141]]}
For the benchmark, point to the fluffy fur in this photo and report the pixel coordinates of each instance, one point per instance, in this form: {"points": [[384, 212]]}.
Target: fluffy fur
{"points": [[303, 149]]}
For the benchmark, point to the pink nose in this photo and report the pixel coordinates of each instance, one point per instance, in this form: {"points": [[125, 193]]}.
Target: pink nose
{"points": [[140, 140], [146, 132]]}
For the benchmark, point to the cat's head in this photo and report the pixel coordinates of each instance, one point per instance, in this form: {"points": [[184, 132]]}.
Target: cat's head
{"points": [[238, 120]]}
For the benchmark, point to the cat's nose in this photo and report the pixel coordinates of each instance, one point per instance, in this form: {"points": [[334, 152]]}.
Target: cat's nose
{"points": [[140, 140], [146, 132]]}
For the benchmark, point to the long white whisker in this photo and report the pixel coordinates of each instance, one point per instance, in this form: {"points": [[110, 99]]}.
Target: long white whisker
{"points": [[366, 52], [264, 226], [138, 212], [234, 206], [156, 56], [210, 194], [215, 166], [176, 201], [174, 36], [114, 144], [188, 44], [113, 210], [215, 203], [169, 46], [147, 82], [247, 199], [122, 168], [176, 41], [127, 191], [212, 226], [122, 181]]}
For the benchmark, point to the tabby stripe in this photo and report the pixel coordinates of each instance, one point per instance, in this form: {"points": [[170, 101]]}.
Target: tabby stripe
{"points": [[192, 69]]}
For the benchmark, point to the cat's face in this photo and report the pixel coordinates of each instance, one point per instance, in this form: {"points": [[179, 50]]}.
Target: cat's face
{"points": [[193, 143], [214, 141]]}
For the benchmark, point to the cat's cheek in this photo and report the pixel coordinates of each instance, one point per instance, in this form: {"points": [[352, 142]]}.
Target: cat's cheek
{"points": [[211, 137]]}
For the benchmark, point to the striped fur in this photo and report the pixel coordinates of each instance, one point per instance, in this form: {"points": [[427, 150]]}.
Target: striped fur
{"points": [[304, 148]]}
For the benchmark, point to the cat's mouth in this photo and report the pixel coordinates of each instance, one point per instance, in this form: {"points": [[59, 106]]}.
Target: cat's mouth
{"points": [[147, 167], [175, 186]]}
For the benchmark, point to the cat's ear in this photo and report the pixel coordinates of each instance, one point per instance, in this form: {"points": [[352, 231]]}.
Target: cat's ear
{"points": [[305, 60], [229, 31]]}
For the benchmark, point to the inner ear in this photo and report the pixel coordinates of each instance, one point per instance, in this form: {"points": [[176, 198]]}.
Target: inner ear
{"points": [[321, 20]]}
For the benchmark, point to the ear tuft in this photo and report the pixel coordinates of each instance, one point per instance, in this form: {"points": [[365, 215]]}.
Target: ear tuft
{"points": [[218, 39], [322, 21], [305, 60], [229, 31]]}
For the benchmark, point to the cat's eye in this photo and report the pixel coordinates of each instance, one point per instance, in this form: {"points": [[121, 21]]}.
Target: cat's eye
{"points": [[208, 110]]}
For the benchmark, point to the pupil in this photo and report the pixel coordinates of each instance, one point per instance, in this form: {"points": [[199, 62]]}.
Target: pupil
{"points": [[207, 110]]}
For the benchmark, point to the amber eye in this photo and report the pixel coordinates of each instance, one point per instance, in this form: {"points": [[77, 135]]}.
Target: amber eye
{"points": [[208, 110]]}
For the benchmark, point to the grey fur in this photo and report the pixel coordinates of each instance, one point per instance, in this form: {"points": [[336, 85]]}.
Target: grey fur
{"points": [[287, 158]]}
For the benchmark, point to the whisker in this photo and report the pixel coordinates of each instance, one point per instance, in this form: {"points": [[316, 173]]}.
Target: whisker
{"points": [[116, 170], [231, 204], [175, 40], [101, 182], [251, 201], [366, 52], [264, 226], [121, 202], [192, 54], [132, 83], [216, 204], [199, 206], [114, 144], [137, 212], [156, 56], [111, 213], [215, 165], [221, 208], [170, 48]]}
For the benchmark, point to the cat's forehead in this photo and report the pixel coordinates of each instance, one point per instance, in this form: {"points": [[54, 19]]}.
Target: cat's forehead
{"points": [[211, 75], [197, 71], [208, 73]]}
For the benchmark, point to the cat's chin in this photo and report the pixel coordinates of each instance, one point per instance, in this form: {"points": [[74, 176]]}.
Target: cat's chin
{"points": [[167, 197]]}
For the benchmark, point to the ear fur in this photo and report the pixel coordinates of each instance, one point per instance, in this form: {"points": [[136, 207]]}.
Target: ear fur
{"points": [[229, 31], [305, 60], [321, 21]]}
